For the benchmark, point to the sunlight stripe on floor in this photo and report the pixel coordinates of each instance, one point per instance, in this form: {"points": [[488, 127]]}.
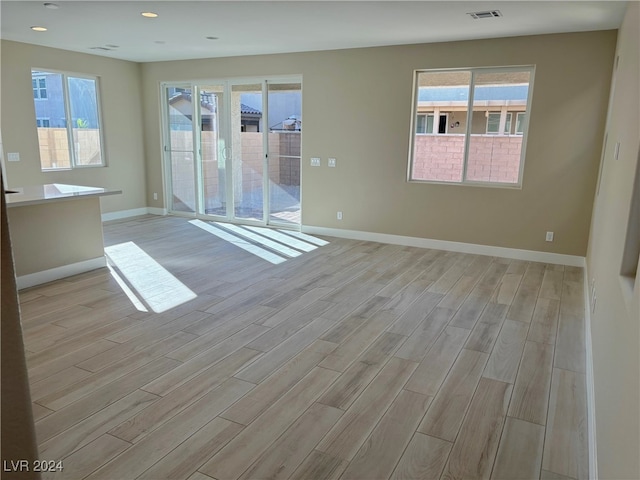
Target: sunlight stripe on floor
{"points": [[306, 238], [157, 287], [278, 247], [282, 238], [239, 242], [127, 291]]}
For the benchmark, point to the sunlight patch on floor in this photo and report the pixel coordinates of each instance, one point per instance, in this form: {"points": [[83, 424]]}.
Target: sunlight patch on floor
{"points": [[127, 291], [151, 282], [307, 238], [239, 242], [282, 238], [254, 237], [272, 245]]}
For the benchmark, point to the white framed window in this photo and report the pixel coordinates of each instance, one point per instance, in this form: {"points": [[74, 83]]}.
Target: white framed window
{"points": [[494, 119], [424, 124], [68, 120], [521, 118], [481, 103], [39, 85]]}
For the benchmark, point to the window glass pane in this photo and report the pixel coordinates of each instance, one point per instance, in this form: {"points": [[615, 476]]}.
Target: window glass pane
{"points": [[441, 95], [520, 119], [214, 165], [85, 126], [493, 122], [494, 156], [246, 148], [429, 124], [52, 137], [420, 124], [182, 182], [39, 86], [507, 125], [180, 119], [179, 101], [284, 142]]}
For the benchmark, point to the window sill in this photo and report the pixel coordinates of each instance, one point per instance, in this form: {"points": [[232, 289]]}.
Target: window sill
{"points": [[68, 169], [507, 186]]}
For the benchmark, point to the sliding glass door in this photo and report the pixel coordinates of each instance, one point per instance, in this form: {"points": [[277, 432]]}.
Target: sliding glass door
{"points": [[235, 153]]}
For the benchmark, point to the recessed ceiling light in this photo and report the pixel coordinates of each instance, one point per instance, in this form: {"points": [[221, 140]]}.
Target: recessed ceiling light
{"points": [[112, 46], [149, 14], [212, 38], [52, 6], [39, 29]]}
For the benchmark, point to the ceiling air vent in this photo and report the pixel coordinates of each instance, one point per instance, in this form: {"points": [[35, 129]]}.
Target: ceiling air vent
{"points": [[487, 14], [101, 48]]}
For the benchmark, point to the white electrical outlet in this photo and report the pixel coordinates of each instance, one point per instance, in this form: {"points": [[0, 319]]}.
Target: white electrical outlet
{"points": [[155, 196], [549, 237], [315, 161], [331, 162], [339, 215]]}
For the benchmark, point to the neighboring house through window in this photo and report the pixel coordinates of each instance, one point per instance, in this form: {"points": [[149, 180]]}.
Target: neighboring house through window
{"points": [[39, 85]]}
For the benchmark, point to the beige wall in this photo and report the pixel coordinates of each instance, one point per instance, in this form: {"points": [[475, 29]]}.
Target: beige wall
{"points": [[357, 108], [615, 321], [121, 115]]}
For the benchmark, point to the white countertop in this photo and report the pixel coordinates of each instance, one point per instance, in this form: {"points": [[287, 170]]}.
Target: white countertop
{"points": [[53, 192]]}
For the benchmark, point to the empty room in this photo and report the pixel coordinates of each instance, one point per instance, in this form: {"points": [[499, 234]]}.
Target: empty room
{"points": [[320, 239]]}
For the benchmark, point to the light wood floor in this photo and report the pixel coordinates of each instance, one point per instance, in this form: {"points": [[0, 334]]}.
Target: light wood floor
{"points": [[355, 360]]}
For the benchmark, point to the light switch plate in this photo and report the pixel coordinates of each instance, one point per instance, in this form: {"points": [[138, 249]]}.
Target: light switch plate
{"points": [[331, 162], [315, 161], [13, 157]]}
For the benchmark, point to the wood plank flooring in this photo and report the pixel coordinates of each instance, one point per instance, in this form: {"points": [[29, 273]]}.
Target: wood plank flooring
{"points": [[352, 360]]}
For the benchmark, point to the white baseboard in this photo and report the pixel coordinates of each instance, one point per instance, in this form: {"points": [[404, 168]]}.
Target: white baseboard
{"points": [[528, 255], [57, 273], [157, 211], [135, 212], [591, 394]]}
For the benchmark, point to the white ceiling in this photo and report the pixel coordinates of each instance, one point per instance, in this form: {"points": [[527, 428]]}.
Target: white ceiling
{"points": [[261, 27]]}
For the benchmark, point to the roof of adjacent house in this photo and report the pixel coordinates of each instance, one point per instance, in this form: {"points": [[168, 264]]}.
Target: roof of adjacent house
{"points": [[244, 109], [249, 110], [482, 92]]}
